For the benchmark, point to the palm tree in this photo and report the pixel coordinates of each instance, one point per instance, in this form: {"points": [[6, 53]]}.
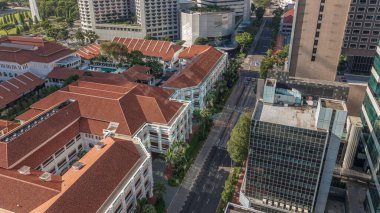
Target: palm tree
{"points": [[148, 208], [140, 205], [159, 190], [7, 27], [205, 119], [176, 155]]}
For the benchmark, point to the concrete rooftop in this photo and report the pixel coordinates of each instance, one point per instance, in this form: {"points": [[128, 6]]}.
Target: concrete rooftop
{"points": [[301, 117]]}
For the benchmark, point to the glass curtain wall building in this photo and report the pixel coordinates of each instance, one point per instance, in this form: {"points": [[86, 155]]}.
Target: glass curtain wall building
{"points": [[370, 116]]}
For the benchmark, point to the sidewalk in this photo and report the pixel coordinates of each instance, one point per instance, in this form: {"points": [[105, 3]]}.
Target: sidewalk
{"points": [[188, 182]]}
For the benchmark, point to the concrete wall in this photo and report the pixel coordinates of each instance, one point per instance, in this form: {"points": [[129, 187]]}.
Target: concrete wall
{"points": [[211, 25], [331, 33]]}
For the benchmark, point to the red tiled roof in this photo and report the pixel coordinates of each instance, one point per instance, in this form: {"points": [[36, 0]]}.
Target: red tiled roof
{"points": [[89, 52], [111, 103], [6, 126], [288, 16], [192, 51], [26, 116], [154, 48], [139, 68], [103, 171], [22, 193], [194, 73], [138, 72], [43, 51], [16, 87], [94, 127]]}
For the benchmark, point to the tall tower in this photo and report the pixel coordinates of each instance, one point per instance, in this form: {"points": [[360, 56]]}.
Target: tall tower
{"points": [[317, 37], [34, 10]]}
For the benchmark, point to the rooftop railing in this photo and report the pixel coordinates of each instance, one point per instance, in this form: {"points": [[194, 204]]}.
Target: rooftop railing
{"points": [[34, 122]]}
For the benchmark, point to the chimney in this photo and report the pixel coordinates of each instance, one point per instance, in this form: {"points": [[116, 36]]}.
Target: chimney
{"points": [[24, 170]]}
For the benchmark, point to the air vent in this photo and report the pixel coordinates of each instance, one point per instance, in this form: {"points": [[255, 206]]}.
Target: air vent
{"points": [[78, 165], [24, 170], [99, 145], [46, 176]]}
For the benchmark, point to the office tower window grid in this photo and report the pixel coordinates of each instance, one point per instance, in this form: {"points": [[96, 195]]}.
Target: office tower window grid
{"points": [[319, 25], [284, 164]]}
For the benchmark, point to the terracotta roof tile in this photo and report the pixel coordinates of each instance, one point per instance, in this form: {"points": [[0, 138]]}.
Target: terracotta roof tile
{"points": [[138, 72], [97, 178], [154, 48], [89, 52], [44, 51], [288, 16], [193, 51], [194, 73], [16, 87], [26, 116], [6, 126]]}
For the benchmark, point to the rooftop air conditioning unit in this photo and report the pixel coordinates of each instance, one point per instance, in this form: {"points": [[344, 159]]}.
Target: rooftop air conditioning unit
{"points": [[276, 204], [46, 176], [300, 210], [78, 165], [282, 205], [264, 201], [294, 208], [99, 145], [24, 170]]}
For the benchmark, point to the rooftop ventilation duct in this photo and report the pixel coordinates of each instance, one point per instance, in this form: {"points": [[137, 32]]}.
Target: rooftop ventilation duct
{"points": [[78, 165], [46, 176], [24, 170], [99, 145]]}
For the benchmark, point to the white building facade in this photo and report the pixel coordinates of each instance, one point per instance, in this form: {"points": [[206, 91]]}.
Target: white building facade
{"points": [[212, 25], [133, 18], [242, 8]]}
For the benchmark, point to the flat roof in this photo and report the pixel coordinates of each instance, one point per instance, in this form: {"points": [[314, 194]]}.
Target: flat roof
{"points": [[301, 117], [334, 104]]}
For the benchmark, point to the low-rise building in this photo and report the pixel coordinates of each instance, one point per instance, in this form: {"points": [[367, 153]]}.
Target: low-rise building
{"points": [[16, 87], [140, 111], [22, 54], [164, 51], [201, 67], [287, 22]]}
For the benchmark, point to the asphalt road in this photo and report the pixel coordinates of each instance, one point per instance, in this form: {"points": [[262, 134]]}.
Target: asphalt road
{"points": [[264, 40], [206, 193]]}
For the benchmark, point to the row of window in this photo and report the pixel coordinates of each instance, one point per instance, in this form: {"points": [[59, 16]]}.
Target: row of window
{"points": [[359, 46]]}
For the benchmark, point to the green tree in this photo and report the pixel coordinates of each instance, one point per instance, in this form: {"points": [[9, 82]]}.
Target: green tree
{"points": [[79, 37], [237, 145], [201, 41], [243, 39], [90, 36], [262, 3], [148, 208], [140, 205], [18, 32], [7, 27], [136, 57], [114, 51], [266, 64], [149, 37], [176, 155], [159, 190], [155, 66], [253, 7], [21, 18], [260, 13], [71, 79]]}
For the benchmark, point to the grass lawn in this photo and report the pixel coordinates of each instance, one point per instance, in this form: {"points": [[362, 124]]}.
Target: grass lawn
{"points": [[12, 31]]}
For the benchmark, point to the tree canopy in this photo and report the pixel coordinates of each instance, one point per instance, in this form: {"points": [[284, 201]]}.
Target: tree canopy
{"points": [[243, 39], [201, 40], [238, 144]]}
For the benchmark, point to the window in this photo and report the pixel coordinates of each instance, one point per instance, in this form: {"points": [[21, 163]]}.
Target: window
{"points": [[364, 39], [59, 152], [70, 144], [362, 46], [353, 45], [48, 161]]}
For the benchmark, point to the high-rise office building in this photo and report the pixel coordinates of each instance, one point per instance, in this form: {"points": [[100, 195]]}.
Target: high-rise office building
{"points": [[317, 36], [293, 150], [130, 18], [242, 8], [370, 116], [362, 34]]}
